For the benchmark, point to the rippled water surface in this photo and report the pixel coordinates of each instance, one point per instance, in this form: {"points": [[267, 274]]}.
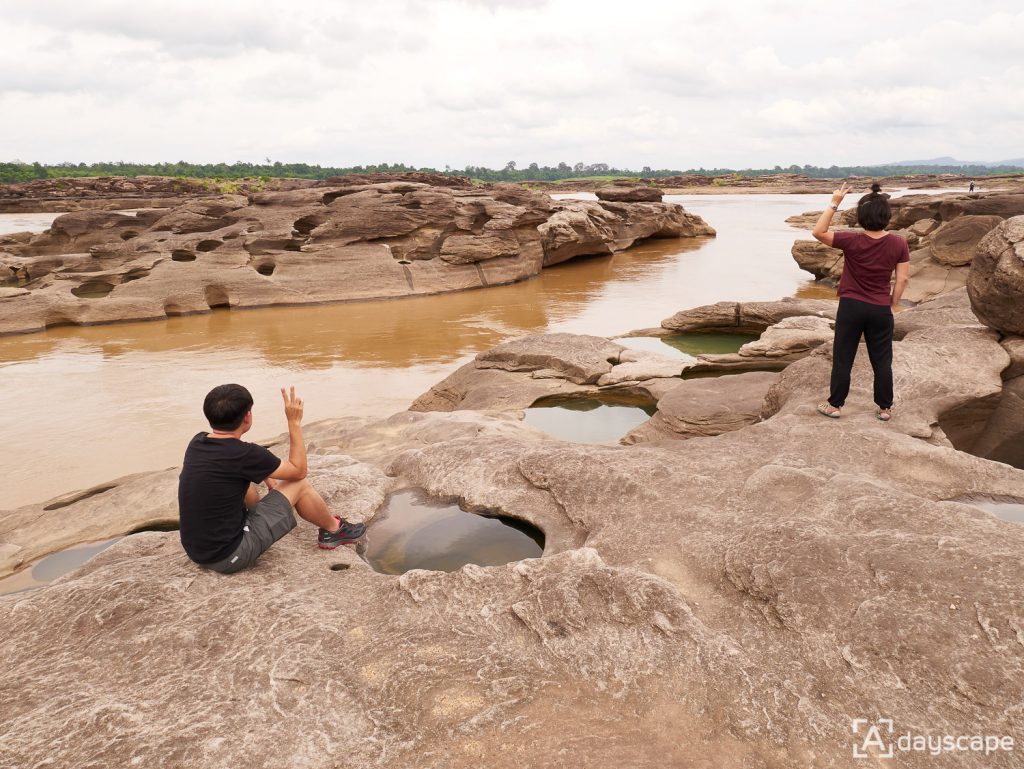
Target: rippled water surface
{"points": [[90, 404]]}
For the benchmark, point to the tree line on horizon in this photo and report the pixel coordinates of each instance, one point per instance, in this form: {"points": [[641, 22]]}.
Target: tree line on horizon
{"points": [[23, 172]]}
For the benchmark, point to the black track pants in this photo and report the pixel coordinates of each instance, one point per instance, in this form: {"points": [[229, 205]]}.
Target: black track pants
{"points": [[874, 322]]}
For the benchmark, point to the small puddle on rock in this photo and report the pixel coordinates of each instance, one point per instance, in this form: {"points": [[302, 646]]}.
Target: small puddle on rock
{"points": [[60, 563], [416, 531], [1008, 509], [588, 420]]}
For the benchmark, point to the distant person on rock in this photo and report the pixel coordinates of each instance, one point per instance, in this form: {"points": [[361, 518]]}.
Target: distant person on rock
{"points": [[225, 525], [971, 189], [867, 297]]}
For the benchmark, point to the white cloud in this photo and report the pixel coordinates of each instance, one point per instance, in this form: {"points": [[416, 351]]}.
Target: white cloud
{"points": [[461, 82]]}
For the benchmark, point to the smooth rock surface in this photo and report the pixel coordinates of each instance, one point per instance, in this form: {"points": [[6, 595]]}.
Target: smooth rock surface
{"points": [[953, 243]]}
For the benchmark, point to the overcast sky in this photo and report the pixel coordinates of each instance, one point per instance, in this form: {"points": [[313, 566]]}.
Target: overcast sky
{"points": [[669, 84]]}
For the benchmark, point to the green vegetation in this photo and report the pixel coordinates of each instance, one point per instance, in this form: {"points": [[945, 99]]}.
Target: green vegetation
{"points": [[222, 173]]}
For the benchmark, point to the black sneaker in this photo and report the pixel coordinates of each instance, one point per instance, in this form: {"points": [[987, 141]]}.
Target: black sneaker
{"points": [[346, 534]]}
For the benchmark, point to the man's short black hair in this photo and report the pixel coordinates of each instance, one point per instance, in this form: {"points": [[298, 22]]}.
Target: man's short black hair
{"points": [[226, 406], [873, 212]]}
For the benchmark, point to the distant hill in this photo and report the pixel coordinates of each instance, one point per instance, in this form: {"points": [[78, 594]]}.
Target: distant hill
{"points": [[947, 162]]}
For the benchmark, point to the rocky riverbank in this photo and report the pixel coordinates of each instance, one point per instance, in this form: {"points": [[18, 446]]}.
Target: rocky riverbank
{"points": [[344, 240], [729, 591]]}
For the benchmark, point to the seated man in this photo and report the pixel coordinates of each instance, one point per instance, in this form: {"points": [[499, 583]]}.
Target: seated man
{"points": [[225, 526]]}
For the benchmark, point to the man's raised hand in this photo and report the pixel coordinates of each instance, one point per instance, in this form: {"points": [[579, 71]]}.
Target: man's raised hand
{"points": [[292, 406]]}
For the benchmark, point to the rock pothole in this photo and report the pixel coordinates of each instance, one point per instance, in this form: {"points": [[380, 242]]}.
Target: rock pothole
{"points": [[93, 289], [181, 255], [1005, 508], [217, 296], [602, 418], [414, 530]]}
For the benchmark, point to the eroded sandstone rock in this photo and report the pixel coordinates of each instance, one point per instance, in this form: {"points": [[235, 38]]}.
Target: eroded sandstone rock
{"points": [[746, 316], [631, 193], [347, 239], [996, 280], [701, 408], [954, 243], [776, 581]]}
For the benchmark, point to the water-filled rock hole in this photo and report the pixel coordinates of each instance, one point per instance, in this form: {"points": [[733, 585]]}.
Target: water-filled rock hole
{"points": [[1006, 508], [92, 289], [414, 530], [65, 561], [604, 418], [708, 343]]}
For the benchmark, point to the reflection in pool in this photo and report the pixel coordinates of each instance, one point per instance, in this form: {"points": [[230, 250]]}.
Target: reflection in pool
{"points": [[416, 531], [589, 420], [62, 562]]}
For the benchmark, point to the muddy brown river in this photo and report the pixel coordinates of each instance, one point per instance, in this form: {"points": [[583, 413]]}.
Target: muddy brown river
{"points": [[83, 405]]}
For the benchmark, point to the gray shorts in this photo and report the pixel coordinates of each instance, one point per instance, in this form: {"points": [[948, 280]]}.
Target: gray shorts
{"points": [[269, 520]]}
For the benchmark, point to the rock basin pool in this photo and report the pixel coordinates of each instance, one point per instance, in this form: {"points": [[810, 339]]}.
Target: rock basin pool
{"points": [[1005, 508], [416, 531], [689, 344], [602, 419], [63, 562]]}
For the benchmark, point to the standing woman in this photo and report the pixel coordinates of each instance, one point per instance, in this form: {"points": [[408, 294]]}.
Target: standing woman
{"points": [[867, 297]]}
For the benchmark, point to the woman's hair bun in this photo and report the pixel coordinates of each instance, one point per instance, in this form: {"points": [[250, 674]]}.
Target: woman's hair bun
{"points": [[876, 188]]}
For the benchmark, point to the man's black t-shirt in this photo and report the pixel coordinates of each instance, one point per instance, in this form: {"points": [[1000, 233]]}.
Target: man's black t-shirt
{"points": [[211, 493]]}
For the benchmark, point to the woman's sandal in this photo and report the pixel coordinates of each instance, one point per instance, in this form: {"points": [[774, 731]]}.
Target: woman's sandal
{"points": [[884, 414], [828, 410]]}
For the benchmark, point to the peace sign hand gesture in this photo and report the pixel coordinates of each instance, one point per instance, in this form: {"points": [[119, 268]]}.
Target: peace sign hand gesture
{"points": [[838, 195], [292, 406]]}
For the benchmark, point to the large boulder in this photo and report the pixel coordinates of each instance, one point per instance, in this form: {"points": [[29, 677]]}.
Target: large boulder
{"points": [[704, 407], [823, 262], [580, 359], [996, 280]]}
